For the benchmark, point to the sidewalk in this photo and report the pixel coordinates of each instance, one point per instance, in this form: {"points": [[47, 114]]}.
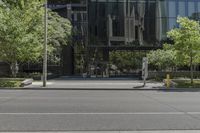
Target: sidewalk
{"points": [[98, 84], [170, 131]]}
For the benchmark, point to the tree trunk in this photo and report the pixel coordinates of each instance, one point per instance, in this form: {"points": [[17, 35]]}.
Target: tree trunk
{"points": [[14, 69], [191, 70]]}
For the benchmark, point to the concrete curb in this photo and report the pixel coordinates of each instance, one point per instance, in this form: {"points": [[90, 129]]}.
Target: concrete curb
{"points": [[109, 89], [163, 131]]}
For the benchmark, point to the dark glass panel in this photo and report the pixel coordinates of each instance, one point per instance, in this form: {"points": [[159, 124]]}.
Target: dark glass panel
{"points": [[150, 9], [141, 23], [150, 31], [191, 8], [181, 8], [172, 23], [161, 28], [198, 12], [172, 9], [163, 8]]}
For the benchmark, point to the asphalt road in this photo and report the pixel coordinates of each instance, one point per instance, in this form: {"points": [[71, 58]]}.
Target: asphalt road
{"points": [[109, 110]]}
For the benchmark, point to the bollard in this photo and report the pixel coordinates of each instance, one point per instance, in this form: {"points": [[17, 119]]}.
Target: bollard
{"points": [[168, 81]]}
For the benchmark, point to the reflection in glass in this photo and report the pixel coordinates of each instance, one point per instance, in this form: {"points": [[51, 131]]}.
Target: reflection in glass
{"points": [[172, 23], [181, 8], [198, 12], [172, 9], [135, 22], [163, 27], [163, 8], [191, 8]]}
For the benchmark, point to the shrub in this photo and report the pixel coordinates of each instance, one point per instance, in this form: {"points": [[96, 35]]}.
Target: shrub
{"points": [[10, 82]]}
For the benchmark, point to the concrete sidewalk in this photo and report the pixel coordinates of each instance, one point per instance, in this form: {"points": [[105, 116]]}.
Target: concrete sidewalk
{"points": [[98, 84], [170, 131]]}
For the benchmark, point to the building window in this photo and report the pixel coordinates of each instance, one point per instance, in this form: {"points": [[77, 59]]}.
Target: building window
{"points": [[198, 12], [181, 8], [172, 23], [172, 9], [191, 8], [163, 8]]}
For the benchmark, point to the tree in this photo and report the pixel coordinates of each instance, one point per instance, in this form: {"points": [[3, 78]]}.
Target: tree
{"points": [[186, 42], [163, 58], [22, 31], [126, 59], [59, 34]]}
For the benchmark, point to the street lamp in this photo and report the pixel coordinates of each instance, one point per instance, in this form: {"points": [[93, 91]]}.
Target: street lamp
{"points": [[45, 46]]}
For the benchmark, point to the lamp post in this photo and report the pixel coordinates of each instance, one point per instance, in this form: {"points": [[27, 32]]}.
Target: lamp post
{"points": [[45, 47]]}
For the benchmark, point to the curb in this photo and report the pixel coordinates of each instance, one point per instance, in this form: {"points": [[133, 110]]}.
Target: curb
{"points": [[109, 89], [150, 131]]}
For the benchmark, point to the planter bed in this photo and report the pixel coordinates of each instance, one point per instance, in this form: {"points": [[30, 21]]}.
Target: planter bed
{"points": [[10, 82], [187, 83]]}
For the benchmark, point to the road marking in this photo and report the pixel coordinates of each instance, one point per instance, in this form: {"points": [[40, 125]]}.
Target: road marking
{"points": [[124, 113]]}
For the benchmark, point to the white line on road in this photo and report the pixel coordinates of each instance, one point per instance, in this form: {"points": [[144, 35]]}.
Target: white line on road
{"points": [[123, 113]]}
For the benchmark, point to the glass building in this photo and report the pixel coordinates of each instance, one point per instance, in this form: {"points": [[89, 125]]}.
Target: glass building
{"points": [[132, 25], [142, 23], [103, 27]]}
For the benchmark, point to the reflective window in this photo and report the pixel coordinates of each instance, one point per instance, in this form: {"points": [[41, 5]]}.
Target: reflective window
{"points": [[161, 28], [172, 23], [191, 8], [151, 10], [136, 21], [162, 7], [172, 9], [181, 8], [198, 12], [164, 27]]}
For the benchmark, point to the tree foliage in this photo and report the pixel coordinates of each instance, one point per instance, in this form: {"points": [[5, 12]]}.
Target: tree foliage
{"points": [[22, 31], [59, 32], [163, 58], [187, 42], [126, 59]]}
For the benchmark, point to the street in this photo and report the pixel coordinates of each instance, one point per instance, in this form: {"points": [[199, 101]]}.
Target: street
{"points": [[94, 110]]}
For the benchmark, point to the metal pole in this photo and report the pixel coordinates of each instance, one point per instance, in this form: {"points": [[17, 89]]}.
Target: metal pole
{"points": [[45, 48]]}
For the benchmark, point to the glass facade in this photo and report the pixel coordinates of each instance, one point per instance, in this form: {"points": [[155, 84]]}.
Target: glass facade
{"points": [[135, 22], [104, 29]]}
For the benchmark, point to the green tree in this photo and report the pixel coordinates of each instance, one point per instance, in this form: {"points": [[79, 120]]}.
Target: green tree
{"points": [[59, 34], [186, 42], [163, 58], [126, 59], [22, 31]]}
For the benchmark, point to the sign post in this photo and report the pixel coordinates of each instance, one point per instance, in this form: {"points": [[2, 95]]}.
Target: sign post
{"points": [[45, 48], [144, 69]]}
